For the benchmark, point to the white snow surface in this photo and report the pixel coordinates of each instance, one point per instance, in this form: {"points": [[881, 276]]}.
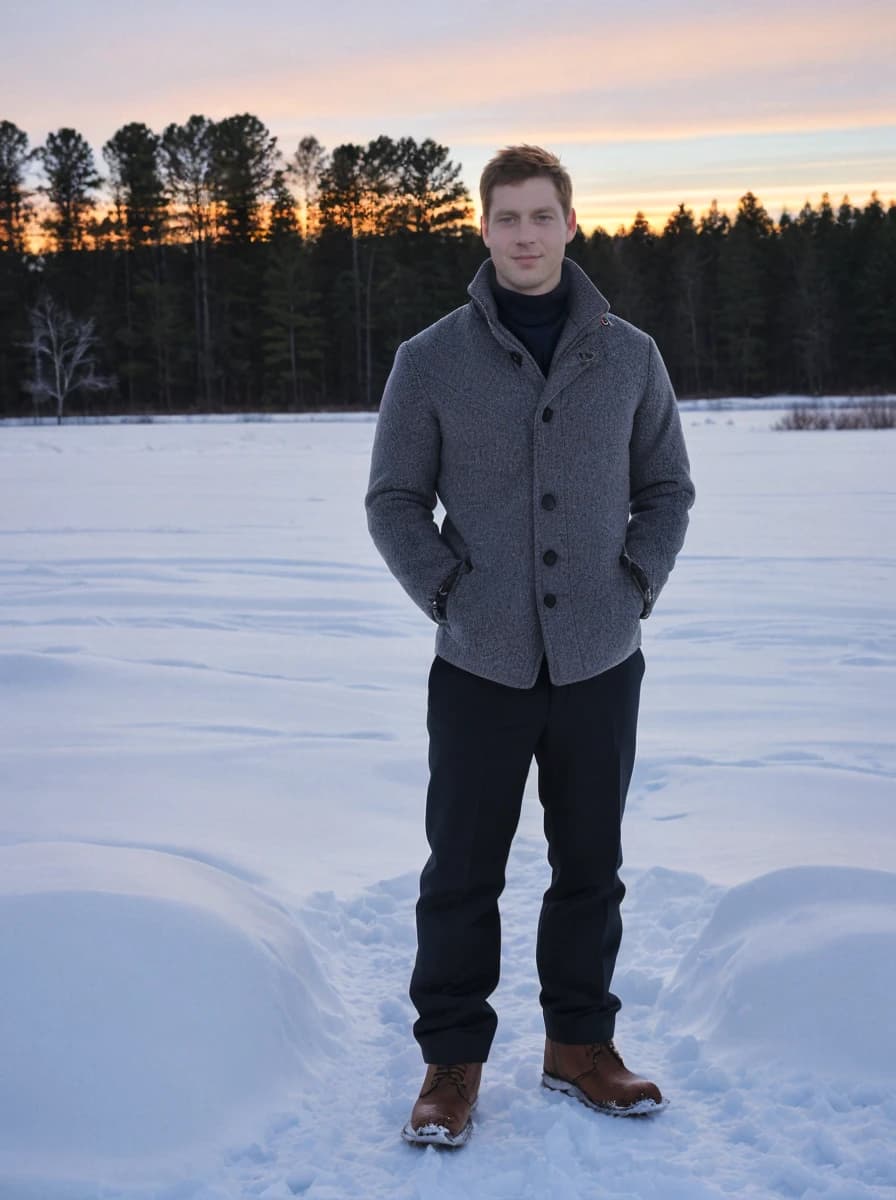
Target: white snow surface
{"points": [[212, 780]]}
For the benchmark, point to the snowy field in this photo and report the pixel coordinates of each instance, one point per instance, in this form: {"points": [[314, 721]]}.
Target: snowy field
{"points": [[212, 777]]}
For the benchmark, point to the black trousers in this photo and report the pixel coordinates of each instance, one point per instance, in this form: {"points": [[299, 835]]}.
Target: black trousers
{"points": [[482, 736]]}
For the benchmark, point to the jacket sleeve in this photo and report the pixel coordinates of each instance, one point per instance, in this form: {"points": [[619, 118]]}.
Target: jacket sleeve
{"points": [[401, 494], [661, 491]]}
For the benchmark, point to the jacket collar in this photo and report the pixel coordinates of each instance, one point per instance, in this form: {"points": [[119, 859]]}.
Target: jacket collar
{"points": [[586, 304]]}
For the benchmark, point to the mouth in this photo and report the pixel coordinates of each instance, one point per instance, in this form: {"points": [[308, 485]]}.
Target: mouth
{"points": [[526, 258]]}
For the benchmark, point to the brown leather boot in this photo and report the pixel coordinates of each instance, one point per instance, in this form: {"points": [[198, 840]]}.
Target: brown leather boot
{"points": [[596, 1075], [441, 1115]]}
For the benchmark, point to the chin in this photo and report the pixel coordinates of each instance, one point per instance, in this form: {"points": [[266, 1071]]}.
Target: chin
{"points": [[526, 279]]}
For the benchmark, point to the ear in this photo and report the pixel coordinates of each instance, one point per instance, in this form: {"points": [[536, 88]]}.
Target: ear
{"points": [[483, 228], [572, 225]]}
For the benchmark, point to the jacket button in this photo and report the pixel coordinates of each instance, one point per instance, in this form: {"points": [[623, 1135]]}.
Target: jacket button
{"points": [[548, 501], [517, 357], [550, 599], [547, 414], [550, 557]]}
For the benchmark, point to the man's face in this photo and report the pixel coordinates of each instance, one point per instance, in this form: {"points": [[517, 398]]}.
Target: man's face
{"points": [[527, 233]]}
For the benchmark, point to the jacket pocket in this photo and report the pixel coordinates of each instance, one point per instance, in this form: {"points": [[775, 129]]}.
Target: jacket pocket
{"points": [[483, 614], [639, 582], [456, 593]]}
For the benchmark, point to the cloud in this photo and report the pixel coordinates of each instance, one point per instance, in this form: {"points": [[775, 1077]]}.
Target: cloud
{"points": [[651, 101]]}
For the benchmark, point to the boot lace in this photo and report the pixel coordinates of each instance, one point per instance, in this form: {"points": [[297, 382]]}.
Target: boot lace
{"points": [[455, 1074], [598, 1048]]}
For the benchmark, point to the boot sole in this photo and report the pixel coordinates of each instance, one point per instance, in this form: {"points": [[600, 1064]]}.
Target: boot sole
{"points": [[438, 1135], [641, 1108]]}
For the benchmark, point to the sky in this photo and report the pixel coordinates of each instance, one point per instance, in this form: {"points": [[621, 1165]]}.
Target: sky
{"points": [[648, 105]]}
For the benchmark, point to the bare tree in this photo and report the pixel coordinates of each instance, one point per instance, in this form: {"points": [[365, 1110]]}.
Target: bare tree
{"points": [[62, 349]]}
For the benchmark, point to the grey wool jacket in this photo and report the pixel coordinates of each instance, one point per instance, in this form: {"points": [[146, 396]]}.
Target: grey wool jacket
{"points": [[566, 498]]}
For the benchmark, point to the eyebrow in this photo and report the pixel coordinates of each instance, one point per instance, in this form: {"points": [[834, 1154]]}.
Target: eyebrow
{"points": [[513, 212]]}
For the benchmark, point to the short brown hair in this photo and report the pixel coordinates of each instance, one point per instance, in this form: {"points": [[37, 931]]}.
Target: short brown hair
{"points": [[514, 164]]}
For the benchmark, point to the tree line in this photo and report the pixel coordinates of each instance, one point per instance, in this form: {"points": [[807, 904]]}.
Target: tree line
{"points": [[220, 275]]}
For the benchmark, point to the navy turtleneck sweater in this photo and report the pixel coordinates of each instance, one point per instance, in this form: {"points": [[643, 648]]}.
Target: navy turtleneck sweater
{"points": [[536, 320]]}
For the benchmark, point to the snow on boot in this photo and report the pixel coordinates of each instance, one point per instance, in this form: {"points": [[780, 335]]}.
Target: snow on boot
{"points": [[595, 1074], [442, 1113]]}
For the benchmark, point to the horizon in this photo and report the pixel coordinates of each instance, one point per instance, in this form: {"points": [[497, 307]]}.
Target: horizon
{"points": [[648, 109], [591, 208]]}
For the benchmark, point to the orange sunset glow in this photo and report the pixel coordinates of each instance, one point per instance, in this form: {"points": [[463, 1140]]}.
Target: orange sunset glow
{"points": [[655, 106]]}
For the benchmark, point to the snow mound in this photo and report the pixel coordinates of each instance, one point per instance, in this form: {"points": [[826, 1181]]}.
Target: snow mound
{"points": [[150, 1002], [800, 965]]}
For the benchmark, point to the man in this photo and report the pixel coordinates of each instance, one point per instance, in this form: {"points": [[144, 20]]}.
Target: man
{"points": [[550, 433]]}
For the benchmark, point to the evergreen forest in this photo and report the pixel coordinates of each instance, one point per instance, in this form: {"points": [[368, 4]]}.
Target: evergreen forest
{"points": [[201, 269]]}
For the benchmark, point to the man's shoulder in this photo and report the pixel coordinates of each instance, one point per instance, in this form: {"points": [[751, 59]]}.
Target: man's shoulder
{"points": [[630, 335], [627, 346], [444, 336]]}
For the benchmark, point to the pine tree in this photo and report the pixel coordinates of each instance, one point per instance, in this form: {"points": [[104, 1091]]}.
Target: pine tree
{"points": [[133, 155], [244, 160], [433, 195], [71, 178], [637, 298], [15, 206], [358, 199], [808, 306], [307, 166], [293, 350], [743, 292], [876, 303], [682, 296], [187, 165], [15, 212]]}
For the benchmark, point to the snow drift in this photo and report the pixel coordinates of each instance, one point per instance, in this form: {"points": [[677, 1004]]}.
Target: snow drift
{"points": [[797, 965], [149, 1001]]}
